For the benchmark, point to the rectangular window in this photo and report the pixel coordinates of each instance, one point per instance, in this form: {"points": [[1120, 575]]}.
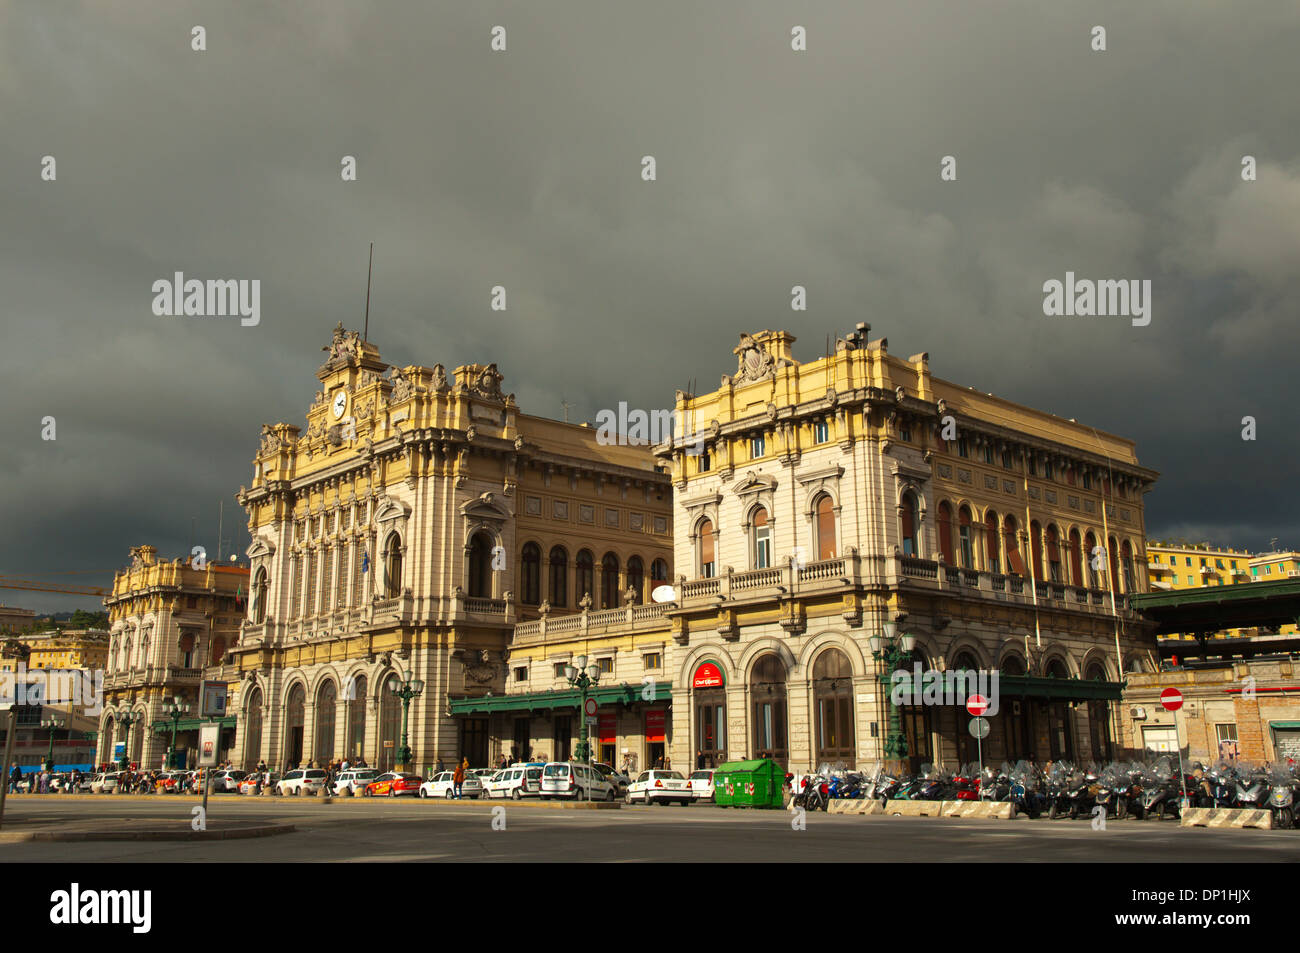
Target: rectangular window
{"points": [[988, 454], [905, 433], [963, 448], [652, 661], [1033, 467], [705, 462], [1006, 459], [1087, 480], [606, 665], [1047, 470], [821, 432], [521, 674], [559, 670], [757, 447]]}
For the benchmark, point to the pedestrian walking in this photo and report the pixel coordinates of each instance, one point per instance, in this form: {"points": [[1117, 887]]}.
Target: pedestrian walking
{"points": [[441, 767], [458, 777], [15, 776]]}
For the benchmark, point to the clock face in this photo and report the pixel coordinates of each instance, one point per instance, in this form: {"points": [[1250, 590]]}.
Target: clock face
{"points": [[340, 404]]}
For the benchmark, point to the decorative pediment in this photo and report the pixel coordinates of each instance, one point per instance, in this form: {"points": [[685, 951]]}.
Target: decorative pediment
{"points": [[391, 509], [485, 507], [261, 548], [753, 482]]}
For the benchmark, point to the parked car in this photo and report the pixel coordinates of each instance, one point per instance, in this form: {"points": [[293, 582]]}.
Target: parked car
{"points": [[172, 782], [302, 781], [701, 783], [516, 782], [483, 774], [249, 784], [228, 779], [105, 783], [659, 786], [353, 780], [392, 784], [575, 781], [614, 777], [442, 785]]}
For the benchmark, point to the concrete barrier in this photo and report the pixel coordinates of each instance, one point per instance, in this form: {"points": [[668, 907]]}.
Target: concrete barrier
{"points": [[1227, 817], [996, 810], [855, 806], [914, 808]]}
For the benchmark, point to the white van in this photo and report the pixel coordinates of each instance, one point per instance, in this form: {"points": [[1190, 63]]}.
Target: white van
{"points": [[517, 781], [575, 781]]}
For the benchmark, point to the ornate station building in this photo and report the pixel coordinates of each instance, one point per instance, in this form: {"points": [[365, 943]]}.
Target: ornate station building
{"points": [[400, 537], [854, 503]]}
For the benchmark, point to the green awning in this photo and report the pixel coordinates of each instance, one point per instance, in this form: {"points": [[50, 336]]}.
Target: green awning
{"points": [[568, 698], [1285, 725], [190, 724]]}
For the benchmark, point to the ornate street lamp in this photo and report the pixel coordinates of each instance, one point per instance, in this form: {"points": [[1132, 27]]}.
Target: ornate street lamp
{"points": [[893, 652], [126, 721], [582, 677], [53, 723], [411, 688], [174, 710]]}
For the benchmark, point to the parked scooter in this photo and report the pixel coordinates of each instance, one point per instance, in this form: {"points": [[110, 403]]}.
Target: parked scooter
{"points": [[1281, 796], [1161, 791]]}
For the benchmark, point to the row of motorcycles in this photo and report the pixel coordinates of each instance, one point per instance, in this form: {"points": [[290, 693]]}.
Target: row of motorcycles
{"points": [[1139, 790]]}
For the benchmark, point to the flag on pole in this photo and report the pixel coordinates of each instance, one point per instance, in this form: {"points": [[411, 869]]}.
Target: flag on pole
{"points": [[365, 562], [239, 596]]}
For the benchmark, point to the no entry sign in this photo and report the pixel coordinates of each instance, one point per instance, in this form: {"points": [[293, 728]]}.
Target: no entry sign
{"points": [[977, 705], [591, 708], [1172, 699]]}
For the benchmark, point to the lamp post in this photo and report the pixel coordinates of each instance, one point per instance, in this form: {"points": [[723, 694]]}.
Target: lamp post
{"points": [[53, 723], [411, 688], [127, 720], [174, 709], [582, 677], [893, 653]]}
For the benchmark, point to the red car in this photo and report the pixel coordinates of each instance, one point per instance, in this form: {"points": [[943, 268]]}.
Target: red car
{"points": [[392, 784]]}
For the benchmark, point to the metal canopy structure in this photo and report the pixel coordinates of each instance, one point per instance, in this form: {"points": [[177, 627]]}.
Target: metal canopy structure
{"points": [[547, 701], [1216, 608]]}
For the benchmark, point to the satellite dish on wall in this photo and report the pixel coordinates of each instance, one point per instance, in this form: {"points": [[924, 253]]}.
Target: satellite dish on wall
{"points": [[664, 594]]}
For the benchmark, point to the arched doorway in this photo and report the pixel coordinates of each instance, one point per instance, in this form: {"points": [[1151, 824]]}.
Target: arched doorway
{"points": [[356, 742], [1060, 720], [767, 687], [259, 598], [479, 579], [1016, 717], [530, 575], [293, 730], [708, 687], [609, 581], [835, 739], [393, 566], [390, 723], [908, 518], [326, 699], [636, 579], [253, 730], [1099, 716], [968, 750]]}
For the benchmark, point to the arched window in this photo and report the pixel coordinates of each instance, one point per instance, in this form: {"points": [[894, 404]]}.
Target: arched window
{"points": [[390, 723], [945, 534], [253, 730], [658, 573], [393, 566], [259, 597], [559, 581], [356, 743], [1036, 549], [1088, 557], [907, 513], [636, 579], [294, 724], [1015, 561], [1098, 716], [479, 583], [1076, 560], [1013, 665], [707, 564], [1126, 558], [767, 688], [833, 691], [762, 540], [825, 527], [530, 575], [992, 548], [964, 661], [609, 581], [586, 575], [1053, 554], [967, 550], [1113, 553], [326, 700], [218, 650]]}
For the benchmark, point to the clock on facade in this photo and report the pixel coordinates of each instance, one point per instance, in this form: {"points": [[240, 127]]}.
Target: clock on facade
{"points": [[340, 404]]}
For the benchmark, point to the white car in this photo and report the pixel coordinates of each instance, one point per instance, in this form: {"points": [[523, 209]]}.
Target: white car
{"points": [[660, 787], [576, 781], [105, 783], [302, 781], [442, 785], [516, 782], [701, 783], [353, 780], [227, 780]]}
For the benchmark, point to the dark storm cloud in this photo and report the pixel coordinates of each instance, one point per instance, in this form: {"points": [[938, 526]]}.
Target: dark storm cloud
{"points": [[522, 169]]}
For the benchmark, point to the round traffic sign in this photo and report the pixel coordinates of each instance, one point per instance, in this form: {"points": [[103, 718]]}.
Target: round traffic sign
{"points": [[591, 708], [979, 728], [1172, 699], [977, 705]]}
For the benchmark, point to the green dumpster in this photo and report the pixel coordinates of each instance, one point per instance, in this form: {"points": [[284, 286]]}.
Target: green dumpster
{"points": [[749, 784]]}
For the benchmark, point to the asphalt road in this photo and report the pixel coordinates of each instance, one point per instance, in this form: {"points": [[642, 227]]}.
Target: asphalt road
{"points": [[410, 830]]}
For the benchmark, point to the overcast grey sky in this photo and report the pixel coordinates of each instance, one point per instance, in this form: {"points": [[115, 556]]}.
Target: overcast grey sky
{"points": [[522, 169]]}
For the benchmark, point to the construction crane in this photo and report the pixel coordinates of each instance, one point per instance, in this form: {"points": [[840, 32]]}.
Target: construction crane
{"points": [[41, 585]]}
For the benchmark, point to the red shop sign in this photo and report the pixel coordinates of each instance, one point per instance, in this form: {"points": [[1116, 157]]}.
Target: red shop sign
{"points": [[608, 729], [708, 675], [654, 726]]}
